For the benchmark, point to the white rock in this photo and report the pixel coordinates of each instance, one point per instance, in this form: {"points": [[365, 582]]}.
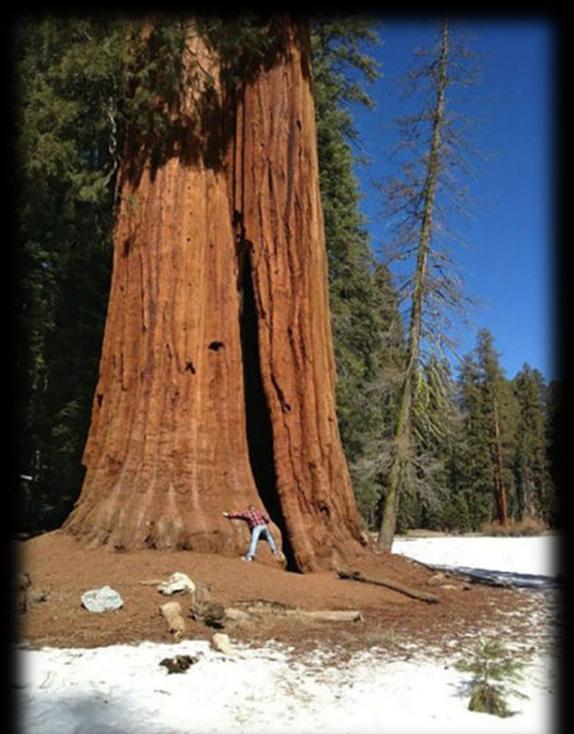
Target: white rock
{"points": [[105, 599], [222, 643], [177, 583]]}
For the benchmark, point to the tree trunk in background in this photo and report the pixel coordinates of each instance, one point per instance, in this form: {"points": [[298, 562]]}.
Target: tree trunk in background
{"points": [[216, 384]]}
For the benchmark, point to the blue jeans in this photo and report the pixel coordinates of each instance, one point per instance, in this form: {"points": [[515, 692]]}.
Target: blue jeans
{"points": [[255, 533]]}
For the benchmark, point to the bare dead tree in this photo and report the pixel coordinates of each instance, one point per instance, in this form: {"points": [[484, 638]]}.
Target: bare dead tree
{"points": [[420, 202]]}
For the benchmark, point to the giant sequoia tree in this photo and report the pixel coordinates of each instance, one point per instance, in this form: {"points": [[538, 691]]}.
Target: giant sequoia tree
{"points": [[216, 383]]}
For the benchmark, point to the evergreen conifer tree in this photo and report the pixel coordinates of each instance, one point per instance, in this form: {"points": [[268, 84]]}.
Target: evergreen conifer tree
{"points": [[532, 471], [476, 465], [367, 329]]}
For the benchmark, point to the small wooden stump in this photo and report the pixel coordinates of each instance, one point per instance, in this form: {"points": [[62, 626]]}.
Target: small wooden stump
{"points": [[171, 612]]}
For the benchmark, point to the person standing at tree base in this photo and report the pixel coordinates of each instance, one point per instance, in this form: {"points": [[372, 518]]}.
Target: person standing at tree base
{"points": [[257, 522]]}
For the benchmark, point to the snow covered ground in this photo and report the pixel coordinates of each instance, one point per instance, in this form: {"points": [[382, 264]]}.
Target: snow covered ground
{"points": [[123, 689], [527, 561]]}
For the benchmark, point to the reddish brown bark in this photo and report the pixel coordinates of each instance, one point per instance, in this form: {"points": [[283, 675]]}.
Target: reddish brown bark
{"points": [[283, 223], [185, 343]]}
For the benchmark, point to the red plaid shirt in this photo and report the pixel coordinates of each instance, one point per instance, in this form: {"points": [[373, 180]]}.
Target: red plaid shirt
{"points": [[252, 517]]}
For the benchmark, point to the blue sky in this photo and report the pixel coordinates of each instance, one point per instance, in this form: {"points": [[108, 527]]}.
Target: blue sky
{"points": [[508, 264]]}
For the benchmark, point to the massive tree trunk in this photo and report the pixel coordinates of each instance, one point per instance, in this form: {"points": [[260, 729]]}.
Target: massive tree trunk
{"points": [[216, 384]]}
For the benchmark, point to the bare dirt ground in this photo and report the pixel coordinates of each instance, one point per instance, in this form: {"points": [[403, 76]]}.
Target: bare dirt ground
{"points": [[61, 570]]}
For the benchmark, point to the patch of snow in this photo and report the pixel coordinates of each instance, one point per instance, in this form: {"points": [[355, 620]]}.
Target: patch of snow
{"points": [[123, 690], [536, 557]]}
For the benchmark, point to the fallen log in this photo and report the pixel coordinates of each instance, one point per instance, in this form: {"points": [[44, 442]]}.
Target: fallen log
{"points": [[327, 615], [380, 581], [273, 609]]}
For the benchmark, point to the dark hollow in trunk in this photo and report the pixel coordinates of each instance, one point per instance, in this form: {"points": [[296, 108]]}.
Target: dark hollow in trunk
{"points": [[258, 425]]}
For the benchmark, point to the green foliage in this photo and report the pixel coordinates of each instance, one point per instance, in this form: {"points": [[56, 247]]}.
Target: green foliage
{"points": [[363, 303], [487, 699], [65, 157], [484, 390], [437, 440], [242, 42], [535, 490], [68, 81], [523, 420], [451, 483], [476, 467], [555, 436], [495, 671]]}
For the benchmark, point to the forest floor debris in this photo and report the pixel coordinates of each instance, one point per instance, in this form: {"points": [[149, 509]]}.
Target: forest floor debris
{"points": [[64, 568]]}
